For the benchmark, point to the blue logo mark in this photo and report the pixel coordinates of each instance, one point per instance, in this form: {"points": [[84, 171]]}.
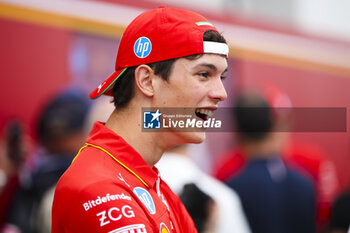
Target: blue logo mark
{"points": [[145, 198], [142, 47], [151, 120]]}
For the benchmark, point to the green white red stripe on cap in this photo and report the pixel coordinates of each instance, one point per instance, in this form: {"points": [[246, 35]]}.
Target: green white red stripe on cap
{"points": [[204, 23], [106, 86], [215, 47]]}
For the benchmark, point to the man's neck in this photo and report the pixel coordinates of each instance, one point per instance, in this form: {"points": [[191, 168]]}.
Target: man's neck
{"points": [[127, 124]]}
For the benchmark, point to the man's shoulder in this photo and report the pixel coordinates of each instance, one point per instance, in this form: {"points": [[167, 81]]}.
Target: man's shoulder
{"points": [[88, 167], [92, 174], [79, 186], [88, 194], [99, 204]]}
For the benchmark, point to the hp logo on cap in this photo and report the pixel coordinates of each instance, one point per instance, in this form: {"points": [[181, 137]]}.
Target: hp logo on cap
{"points": [[142, 47]]}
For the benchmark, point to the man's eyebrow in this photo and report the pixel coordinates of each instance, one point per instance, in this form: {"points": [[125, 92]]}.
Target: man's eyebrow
{"points": [[210, 66]]}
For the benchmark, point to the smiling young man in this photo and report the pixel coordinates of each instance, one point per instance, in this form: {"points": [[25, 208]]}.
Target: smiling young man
{"points": [[167, 58]]}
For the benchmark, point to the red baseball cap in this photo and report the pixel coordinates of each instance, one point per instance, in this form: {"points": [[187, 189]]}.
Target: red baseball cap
{"points": [[158, 35]]}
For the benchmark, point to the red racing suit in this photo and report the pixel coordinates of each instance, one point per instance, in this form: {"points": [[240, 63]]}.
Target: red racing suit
{"points": [[110, 188]]}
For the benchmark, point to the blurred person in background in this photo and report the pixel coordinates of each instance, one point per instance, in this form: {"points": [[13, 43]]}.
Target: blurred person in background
{"points": [[340, 217], [306, 158], [13, 150], [178, 169], [275, 198], [60, 132]]}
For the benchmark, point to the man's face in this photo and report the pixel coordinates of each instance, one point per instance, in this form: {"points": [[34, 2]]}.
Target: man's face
{"points": [[193, 84]]}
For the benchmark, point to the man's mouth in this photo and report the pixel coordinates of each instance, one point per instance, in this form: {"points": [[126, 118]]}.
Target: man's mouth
{"points": [[204, 113]]}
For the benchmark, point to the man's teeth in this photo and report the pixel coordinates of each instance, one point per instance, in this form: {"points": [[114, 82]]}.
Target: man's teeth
{"points": [[207, 112]]}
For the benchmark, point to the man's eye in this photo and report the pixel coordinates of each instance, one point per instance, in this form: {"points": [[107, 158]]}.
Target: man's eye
{"points": [[223, 77], [204, 74]]}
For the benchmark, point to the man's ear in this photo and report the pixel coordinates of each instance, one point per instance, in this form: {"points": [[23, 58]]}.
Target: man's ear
{"points": [[143, 79]]}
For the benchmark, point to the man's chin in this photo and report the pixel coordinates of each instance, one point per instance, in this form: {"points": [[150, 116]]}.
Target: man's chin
{"points": [[195, 137], [183, 138]]}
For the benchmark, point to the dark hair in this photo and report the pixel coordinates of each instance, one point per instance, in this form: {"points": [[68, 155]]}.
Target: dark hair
{"points": [[64, 114], [253, 117], [123, 89]]}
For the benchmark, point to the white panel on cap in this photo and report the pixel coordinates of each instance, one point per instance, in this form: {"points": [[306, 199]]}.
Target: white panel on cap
{"points": [[215, 47]]}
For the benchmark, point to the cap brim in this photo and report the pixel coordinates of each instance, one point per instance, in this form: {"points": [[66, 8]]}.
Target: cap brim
{"points": [[106, 86]]}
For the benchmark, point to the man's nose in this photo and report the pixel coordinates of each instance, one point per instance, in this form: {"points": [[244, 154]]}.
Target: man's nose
{"points": [[218, 91]]}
